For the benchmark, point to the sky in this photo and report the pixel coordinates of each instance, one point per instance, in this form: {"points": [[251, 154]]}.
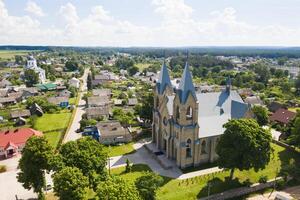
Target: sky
{"points": [[158, 23]]}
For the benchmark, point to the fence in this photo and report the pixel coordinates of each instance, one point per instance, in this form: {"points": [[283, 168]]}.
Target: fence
{"points": [[242, 191]]}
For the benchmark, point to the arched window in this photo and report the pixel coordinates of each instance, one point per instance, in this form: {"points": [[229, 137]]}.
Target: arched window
{"points": [[189, 113], [188, 148], [203, 147], [177, 112]]}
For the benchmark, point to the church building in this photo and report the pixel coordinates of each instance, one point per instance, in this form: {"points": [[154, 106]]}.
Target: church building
{"points": [[186, 124]]}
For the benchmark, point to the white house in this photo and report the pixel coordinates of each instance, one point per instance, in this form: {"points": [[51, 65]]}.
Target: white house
{"points": [[31, 64], [74, 82]]}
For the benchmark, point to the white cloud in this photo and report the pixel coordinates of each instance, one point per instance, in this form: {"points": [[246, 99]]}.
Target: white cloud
{"points": [[178, 27], [34, 9]]}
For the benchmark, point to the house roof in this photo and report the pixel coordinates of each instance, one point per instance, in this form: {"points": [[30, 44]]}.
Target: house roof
{"points": [[164, 79], [132, 101], [101, 92], [7, 100], [254, 100], [32, 90], [111, 128], [17, 136], [57, 100], [103, 110], [19, 113], [283, 116], [98, 101], [186, 85], [118, 101], [47, 86]]}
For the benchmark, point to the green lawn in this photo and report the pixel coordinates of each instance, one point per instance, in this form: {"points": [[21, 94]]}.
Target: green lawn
{"points": [[50, 122], [120, 150], [53, 126], [53, 137], [197, 187], [9, 54]]}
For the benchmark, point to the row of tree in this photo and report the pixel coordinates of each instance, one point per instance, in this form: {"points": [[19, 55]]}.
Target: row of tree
{"points": [[79, 170]]}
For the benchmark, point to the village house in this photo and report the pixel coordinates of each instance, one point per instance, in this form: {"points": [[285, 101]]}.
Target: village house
{"points": [[97, 101], [98, 112], [74, 82], [62, 102], [254, 101], [132, 101], [102, 92], [282, 116], [35, 109], [187, 125], [111, 132], [13, 141], [64, 93], [14, 114]]}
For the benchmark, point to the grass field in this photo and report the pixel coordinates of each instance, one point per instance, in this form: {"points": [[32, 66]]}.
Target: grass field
{"points": [[120, 150], [53, 126], [142, 66], [7, 54], [197, 187]]}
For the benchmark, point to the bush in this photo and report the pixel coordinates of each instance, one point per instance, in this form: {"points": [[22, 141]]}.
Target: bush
{"points": [[128, 166], [247, 182], [263, 179], [280, 184], [3, 168]]}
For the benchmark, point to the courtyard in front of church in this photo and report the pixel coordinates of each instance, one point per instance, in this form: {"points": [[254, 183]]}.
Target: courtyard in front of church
{"points": [[194, 183]]}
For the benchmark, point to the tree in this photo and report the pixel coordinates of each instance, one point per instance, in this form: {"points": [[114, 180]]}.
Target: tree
{"points": [[89, 82], [70, 184], [116, 188], [30, 77], [244, 145], [295, 130], [88, 155], [297, 84], [133, 70], [144, 110], [148, 184], [36, 158], [71, 66], [128, 166], [261, 115]]}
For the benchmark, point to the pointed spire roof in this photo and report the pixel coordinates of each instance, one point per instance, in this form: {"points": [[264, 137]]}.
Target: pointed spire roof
{"points": [[186, 84], [164, 79]]}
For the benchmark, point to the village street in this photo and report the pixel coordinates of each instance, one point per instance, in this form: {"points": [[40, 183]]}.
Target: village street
{"points": [[72, 134]]}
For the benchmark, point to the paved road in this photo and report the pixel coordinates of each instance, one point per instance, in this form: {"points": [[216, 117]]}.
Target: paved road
{"points": [[71, 135], [142, 156]]}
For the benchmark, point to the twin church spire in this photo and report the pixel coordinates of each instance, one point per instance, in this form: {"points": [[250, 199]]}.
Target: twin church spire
{"points": [[186, 85]]}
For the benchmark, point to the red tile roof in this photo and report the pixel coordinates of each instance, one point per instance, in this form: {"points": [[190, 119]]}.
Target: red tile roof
{"points": [[283, 116], [17, 136]]}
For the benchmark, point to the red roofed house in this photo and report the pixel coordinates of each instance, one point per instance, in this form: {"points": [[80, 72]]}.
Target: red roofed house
{"points": [[283, 116], [13, 141]]}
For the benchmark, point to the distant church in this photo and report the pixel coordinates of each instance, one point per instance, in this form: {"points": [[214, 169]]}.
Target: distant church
{"points": [[31, 64], [187, 125]]}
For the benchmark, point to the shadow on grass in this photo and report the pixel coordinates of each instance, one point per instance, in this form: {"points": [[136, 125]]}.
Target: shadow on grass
{"points": [[201, 167], [217, 185]]}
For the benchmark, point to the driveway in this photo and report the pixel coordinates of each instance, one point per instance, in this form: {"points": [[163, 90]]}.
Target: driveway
{"points": [[142, 156], [71, 135], [9, 186]]}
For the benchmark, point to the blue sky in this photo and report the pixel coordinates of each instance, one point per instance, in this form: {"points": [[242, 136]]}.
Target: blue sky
{"points": [[150, 22]]}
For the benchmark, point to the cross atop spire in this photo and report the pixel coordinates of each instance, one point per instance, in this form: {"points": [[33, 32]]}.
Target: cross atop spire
{"points": [[186, 84], [164, 79]]}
